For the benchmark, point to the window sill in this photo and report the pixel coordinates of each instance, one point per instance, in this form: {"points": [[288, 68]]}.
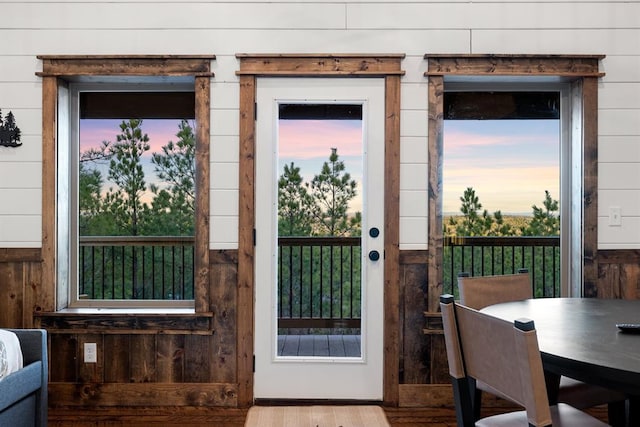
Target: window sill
{"points": [[130, 311], [182, 321]]}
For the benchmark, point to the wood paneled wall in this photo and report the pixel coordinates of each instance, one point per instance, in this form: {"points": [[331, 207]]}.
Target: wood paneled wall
{"points": [[166, 361], [191, 363], [20, 278], [619, 274]]}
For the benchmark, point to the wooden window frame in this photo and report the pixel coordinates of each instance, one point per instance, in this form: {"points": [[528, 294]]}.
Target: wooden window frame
{"points": [[318, 65], [57, 71], [580, 71]]}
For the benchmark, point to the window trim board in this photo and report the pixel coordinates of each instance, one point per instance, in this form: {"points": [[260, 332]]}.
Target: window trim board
{"points": [[58, 71], [582, 70]]}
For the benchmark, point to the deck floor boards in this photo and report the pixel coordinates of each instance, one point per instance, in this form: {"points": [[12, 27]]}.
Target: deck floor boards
{"points": [[319, 345]]}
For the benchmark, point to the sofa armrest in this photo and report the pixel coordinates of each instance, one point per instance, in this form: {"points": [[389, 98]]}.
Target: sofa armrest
{"points": [[33, 343]]}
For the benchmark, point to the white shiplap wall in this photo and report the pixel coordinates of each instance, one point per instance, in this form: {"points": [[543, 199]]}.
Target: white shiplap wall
{"points": [[412, 27], [619, 151]]}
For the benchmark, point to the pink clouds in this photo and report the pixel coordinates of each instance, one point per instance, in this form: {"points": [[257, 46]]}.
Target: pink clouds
{"points": [[460, 142], [93, 132], [306, 139], [308, 144], [509, 163]]}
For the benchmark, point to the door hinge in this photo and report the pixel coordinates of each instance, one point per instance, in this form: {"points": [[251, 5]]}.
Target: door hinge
{"points": [[254, 237], [254, 363], [255, 111]]}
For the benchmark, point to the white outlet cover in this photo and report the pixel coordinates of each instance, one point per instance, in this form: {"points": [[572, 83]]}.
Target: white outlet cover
{"points": [[90, 352]]}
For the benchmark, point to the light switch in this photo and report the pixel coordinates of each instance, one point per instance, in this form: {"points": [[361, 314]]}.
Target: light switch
{"points": [[615, 216]]}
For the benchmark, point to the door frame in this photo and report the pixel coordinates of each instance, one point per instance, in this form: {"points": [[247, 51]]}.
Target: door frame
{"points": [[374, 66]]}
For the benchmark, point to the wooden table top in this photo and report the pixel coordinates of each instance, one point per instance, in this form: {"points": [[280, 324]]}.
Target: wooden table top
{"points": [[578, 338]]}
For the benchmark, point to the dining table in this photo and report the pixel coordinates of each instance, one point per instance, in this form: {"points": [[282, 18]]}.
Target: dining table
{"points": [[578, 338]]}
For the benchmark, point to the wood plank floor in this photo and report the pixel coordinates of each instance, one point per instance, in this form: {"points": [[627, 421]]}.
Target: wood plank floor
{"points": [[218, 417], [230, 417], [319, 345]]}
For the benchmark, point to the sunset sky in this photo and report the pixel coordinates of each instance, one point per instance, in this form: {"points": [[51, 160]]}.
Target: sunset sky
{"points": [[509, 163], [308, 144], [159, 131], [94, 131]]}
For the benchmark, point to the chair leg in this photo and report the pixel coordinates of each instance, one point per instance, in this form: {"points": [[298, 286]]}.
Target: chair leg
{"points": [[617, 413], [463, 402], [477, 403], [552, 381], [634, 411]]}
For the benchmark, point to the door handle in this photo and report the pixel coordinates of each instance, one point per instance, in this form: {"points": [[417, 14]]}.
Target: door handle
{"points": [[374, 255], [374, 232]]}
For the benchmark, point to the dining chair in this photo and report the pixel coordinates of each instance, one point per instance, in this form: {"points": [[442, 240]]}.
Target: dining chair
{"points": [[481, 291], [506, 357]]}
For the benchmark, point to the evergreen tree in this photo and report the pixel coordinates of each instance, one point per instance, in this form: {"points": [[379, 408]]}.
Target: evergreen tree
{"points": [[94, 218], [472, 223], [546, 220], [9, 131], [96, 155], [332, 190], [478, 222], [500, 228], [125, 170], [173, 208], [295, 205], [89, 200], [10, 125]]}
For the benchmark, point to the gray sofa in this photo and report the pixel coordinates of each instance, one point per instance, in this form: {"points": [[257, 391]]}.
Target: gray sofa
{"points": [[23, 394]]}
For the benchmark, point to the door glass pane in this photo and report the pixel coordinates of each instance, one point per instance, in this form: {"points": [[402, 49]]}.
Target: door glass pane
{"points": [[320, 203]]}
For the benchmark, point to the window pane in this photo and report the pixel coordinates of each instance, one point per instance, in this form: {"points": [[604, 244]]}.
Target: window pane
{"points": [[136, 208], [501, 186]]}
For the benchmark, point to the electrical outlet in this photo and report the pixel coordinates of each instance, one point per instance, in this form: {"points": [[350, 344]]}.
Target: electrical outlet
{"points": [[615, 216], [90, 352]]}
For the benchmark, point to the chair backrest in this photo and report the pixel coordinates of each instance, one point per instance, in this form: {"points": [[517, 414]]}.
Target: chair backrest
{"points": [[481, 291], [502, 354]]}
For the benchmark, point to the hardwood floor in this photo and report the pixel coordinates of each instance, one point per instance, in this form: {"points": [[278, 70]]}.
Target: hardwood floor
{"points": [[230, 417], [142, 417]]}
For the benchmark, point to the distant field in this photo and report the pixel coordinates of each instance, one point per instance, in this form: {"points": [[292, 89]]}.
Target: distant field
{"points": [[515, 221]]}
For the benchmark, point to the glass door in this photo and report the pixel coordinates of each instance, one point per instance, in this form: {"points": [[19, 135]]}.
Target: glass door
{"points": [[319, 242]]}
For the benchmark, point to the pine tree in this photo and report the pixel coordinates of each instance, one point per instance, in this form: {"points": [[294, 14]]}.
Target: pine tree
{"points": [[125, 170], [9, 131], [295, 205], [173, 208], [10, 125], [332, 190], [89, 201], [546, 220], [472, 224]]}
